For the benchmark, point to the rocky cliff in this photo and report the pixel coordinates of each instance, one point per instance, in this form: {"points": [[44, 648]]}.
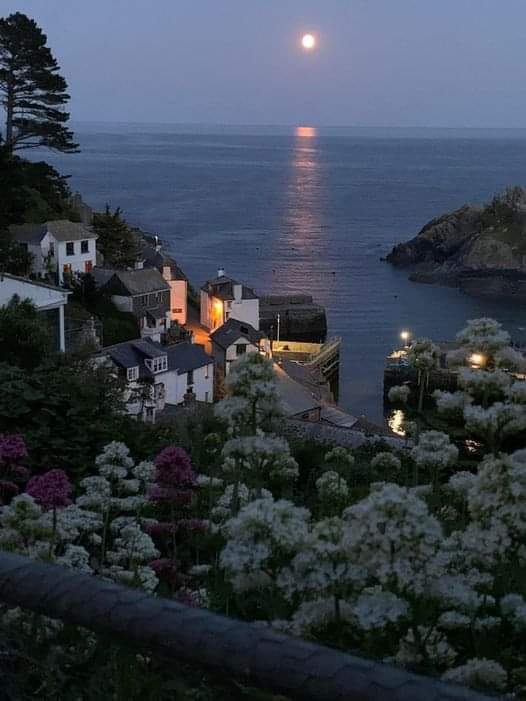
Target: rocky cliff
{"points": [[470, 245]]}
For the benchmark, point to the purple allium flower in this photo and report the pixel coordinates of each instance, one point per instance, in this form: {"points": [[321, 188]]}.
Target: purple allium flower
{"points": [[51, 490], [12, 448], [174, 468]]}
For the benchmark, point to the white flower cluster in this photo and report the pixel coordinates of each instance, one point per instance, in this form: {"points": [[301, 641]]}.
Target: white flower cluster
{"points": [[495, 422], [392, 536], [451, 404], [478, 673], [331, 486], [386, 461], [225, 506], [375, 608], [399, 394], [341, 459], [434, 450], [263, 530], [423, 354], [483, 336], [423, 642], [484, 383], [265, 457]]}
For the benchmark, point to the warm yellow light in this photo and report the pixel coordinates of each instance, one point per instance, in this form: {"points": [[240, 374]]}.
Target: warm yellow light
{"points": [[405, 336], [308, 41], [477, 360], [305, 132]]}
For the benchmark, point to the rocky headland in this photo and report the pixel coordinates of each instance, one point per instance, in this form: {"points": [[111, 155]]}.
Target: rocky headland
{"points": [[479, 248]]}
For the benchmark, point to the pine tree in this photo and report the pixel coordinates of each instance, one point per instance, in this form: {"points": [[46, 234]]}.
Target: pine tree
{"points": [[32, 91], [117, 242]]}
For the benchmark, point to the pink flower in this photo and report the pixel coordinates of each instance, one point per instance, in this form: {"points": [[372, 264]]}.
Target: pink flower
{"points": [[174, 468], [51, 490], [12, 448]]}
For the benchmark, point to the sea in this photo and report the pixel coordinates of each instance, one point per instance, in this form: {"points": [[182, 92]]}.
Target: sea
{"points": [[312, 210]]}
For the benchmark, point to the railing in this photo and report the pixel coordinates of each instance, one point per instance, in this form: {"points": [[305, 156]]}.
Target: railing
{"points": [[253, 653]]}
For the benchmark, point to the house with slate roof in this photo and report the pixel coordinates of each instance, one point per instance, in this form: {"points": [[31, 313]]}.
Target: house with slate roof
{"points": [[224, 298], [158, 377], [144, 293], [58, 247], [234, 339], [153, 257]]}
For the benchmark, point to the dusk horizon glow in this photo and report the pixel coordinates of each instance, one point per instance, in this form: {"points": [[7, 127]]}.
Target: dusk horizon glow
{"points": [[371, 64]]}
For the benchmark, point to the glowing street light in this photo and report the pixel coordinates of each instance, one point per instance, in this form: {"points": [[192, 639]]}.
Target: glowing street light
{"points": [[477, 360]]}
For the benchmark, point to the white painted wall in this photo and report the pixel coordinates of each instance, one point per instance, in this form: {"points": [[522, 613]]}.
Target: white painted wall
{"points": [[246, 310], [43, 297], [178, 300], [78, 260]]}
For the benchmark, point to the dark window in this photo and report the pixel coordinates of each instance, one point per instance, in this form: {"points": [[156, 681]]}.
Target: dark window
{"points": [[241, 349], [51, 248], [190, 378], [84, 246], [70, 248]]}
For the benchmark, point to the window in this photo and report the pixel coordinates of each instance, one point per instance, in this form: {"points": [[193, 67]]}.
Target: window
{"points": [[241, 349], [158, 364], [207, 370], [51, 248], [190, 378], [177, 310], [67, 269], [143, 300], [88, 266], [133, 374], [207, 395], [70, 248], [84, 246]]}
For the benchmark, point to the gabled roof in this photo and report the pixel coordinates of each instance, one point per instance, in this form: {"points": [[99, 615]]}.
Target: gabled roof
{"points": [[223, 288], [156, 259], [138, 282], [60, 229], [232, 330], [182, 357], [187, 356]]}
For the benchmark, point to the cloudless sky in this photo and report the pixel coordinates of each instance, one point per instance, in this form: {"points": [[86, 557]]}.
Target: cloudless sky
{"points": [[378, 62]]}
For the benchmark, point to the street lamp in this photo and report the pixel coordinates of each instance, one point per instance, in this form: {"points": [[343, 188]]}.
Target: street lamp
{"points": [[405, 336], [477, 360]]}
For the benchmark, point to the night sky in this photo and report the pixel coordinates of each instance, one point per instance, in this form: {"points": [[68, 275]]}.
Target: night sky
{"points": [[377, 62]]}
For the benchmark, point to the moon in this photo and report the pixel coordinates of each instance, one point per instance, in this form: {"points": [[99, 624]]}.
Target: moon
{"points": [[308, 41]]}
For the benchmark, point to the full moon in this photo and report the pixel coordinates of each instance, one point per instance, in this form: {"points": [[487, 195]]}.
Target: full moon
{"points": [[308, 41]]}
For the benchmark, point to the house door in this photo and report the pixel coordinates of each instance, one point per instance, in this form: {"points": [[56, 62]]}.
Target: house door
{"points": [[88, 266]]}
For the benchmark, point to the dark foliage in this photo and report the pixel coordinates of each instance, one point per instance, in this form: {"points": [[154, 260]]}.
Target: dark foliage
{"points": [[117, 242], [25, 336]]}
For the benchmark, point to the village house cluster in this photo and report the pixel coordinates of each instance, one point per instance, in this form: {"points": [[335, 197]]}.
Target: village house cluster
{"points": [[182, 353]]}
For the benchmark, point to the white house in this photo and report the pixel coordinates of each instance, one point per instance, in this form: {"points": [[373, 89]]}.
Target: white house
{"points": [[234, 339], [161, 376], [58, 247], [48, 300], [223, 299], [152, 257]]}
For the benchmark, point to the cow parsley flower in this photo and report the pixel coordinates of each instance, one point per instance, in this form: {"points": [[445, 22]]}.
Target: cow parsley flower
{"points": [[331, 486], [375, 608], [480, 673], [386, 462], [399, 394]]}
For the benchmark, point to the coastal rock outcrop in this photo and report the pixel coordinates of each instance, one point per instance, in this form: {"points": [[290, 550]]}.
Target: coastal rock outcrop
{"points": [[473, 243]]}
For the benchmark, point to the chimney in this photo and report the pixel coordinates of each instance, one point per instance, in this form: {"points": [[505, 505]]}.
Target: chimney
{"points": [[158, 244], [220, 272], [167, 272], [238, 292], [139, 264]]}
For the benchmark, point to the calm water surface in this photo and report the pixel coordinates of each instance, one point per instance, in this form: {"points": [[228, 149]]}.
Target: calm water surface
{"points": [[288, 210]]}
